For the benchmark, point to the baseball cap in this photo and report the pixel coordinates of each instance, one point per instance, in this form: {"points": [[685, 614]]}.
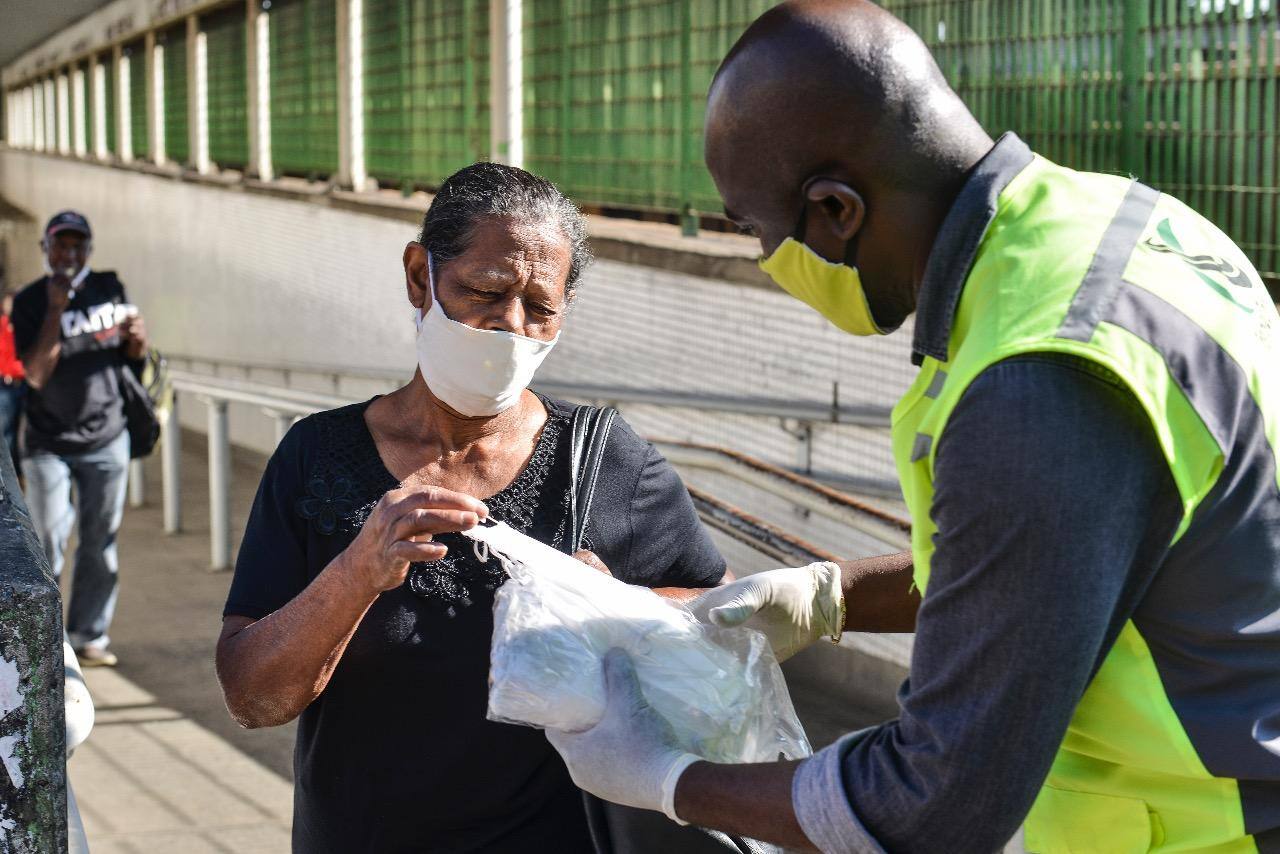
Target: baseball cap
{"points": [[67, 221]]}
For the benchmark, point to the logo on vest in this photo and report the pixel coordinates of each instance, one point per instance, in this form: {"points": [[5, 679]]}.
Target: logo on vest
{"points": [[1204, 265]]}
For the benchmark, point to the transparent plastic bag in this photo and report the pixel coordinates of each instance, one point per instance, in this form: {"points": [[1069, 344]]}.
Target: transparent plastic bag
{"points": [[719, 688]]}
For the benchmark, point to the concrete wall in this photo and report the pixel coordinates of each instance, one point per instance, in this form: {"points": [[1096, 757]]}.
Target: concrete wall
{"points": [[237, 274]]}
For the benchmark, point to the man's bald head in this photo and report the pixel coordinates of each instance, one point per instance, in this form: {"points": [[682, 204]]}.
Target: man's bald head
{"points": [[836, 89]]}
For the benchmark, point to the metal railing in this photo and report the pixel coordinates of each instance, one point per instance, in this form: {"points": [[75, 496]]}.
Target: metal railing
{"points": [[285, 405], [797, 417]]}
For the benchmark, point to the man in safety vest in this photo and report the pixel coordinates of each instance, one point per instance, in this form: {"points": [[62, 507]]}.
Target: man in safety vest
{"points": [[1089, 455]]}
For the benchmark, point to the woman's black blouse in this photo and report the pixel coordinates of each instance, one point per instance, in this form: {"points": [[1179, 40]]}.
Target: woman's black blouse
{"points": [[396, 754]]}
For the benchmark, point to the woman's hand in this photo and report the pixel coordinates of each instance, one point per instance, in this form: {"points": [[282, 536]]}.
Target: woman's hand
{"points": [[592, 560], [399, 530]]}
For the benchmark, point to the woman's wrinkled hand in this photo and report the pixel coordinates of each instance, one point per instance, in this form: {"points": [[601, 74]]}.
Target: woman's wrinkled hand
{"points": [[400, 529]]}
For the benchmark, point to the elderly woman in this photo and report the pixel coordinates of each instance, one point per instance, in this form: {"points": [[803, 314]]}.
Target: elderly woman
{"points": [[357, 608]]}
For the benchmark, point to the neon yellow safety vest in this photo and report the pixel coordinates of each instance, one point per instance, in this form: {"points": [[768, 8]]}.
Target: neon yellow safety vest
{"points": [[1175, 745]]}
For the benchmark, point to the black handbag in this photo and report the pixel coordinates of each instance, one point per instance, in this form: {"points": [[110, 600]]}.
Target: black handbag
{"points": [[616, 829], [139, 406]]}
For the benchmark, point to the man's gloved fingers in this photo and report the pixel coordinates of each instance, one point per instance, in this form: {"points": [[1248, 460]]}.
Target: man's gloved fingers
{"points": [[713, 598], [735, 612], [620, 679]]}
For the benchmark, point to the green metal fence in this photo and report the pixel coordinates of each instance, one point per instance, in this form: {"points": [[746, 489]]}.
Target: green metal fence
{"points": [[1184, 94], [304, 87], [140, 141], [426, 84], [177, 143], [227, 78], [109, 104], [615, 93], [1180, 93]]}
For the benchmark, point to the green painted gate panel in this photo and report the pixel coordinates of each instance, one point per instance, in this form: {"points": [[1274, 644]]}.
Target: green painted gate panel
{"points": [[1181, 93], [177, 142], [615, 92], [139, 139], [426, 86], [227, 77], [304, 87], [109, 104]]}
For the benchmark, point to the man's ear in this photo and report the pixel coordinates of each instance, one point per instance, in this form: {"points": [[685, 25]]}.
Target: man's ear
{"points": [[842, 208], [416, 276]]}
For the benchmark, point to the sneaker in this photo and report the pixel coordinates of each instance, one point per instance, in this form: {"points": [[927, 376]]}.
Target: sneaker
{"points": [[93, 656]]}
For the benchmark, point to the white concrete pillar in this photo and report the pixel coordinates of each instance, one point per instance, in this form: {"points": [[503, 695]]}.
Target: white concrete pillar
{"points": [[119, 70], [29, 116], [49, 135], [64, 114], [100, 117], [124, 109], [155, 97], [506, 82], [193, 93], [200, 103], [258, 91], [350, 32], [158, 152], [78, 135]]}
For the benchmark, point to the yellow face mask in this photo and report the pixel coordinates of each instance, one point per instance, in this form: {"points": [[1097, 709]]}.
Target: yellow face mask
{"points": [[833, 290]]}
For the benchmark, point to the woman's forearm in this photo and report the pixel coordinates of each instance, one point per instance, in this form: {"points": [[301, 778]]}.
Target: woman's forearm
{"points": [[880, 594], [274, 668]]}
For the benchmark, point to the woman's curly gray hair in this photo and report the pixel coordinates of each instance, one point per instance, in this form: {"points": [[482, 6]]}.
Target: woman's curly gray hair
{"points": [[485, 190]]}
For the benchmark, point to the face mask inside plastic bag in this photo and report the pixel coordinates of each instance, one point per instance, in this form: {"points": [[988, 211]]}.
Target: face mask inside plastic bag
{"points": [[719, 688]]}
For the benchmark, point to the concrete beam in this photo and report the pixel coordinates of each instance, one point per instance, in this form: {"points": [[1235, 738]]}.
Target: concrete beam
{"points": [[193, 90], [506, 82], [120, 80], [33, 783], [258, 94], [155, 97], [79, 134], [350, 70], [198, 94], [100, 74]]}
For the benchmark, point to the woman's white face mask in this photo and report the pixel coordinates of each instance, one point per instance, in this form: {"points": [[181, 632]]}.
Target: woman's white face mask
{"points": [[475, 372]]}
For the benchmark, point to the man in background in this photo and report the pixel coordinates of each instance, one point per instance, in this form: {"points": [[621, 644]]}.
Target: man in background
{"points": [[75, 332]]}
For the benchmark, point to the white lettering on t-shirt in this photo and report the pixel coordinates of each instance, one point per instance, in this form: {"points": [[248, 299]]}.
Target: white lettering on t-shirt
{"points": [[98, 318]]}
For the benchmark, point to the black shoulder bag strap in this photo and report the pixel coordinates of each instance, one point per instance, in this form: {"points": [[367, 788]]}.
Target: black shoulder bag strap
{"points": [[589, 434]]}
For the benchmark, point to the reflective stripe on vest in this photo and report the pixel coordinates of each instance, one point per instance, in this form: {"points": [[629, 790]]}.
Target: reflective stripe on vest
{"points": [[1176, 743]]}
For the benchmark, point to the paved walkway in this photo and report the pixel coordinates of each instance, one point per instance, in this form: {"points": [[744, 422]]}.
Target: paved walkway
{"points": [[165, 769], [151, 780]]}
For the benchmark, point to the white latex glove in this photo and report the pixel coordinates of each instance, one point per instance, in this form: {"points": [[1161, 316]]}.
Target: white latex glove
{"points": [[793, 607], [630, 757]]}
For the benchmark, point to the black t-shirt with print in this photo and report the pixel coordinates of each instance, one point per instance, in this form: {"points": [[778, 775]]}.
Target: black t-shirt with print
{"points": [[80, 407]]}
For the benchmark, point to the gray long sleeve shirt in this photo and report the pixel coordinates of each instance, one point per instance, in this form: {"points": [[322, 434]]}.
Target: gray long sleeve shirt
{"points": [[1054, 508]]}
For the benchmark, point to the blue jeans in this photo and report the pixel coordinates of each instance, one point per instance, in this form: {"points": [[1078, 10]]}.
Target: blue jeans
{"points": [[101, 479], [11, 398]]}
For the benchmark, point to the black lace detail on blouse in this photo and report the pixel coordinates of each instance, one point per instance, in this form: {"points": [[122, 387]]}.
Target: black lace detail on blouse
{"points": [[349, 477]]}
